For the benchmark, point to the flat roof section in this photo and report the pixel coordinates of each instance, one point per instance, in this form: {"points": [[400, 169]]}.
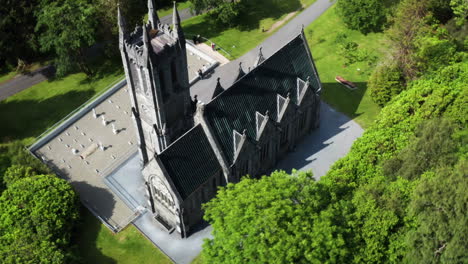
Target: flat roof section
{"points": [[90, 148]]}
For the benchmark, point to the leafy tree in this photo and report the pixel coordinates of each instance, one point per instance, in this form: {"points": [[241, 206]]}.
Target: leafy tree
{"points": [[17, 172], [385, 82], [363, 15], [36, 218], [17, 22], [460, 10], [68, 28], [408, 22], [224, 12], [272, 220], [439, 205]]}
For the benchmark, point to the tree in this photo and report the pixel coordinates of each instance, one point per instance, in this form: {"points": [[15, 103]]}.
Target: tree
{"points": [[385, 82], [224, 12], [460, 10], [68, 28], [363, 15], [277, 219], [17, 172], [17, 22], [408, 23], [439, 205], [37, 215]]}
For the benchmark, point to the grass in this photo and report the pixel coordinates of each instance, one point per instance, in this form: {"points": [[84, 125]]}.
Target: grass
{"points": [[168, 10], [97, 244], [32, 111], [321, 35], [7, 76], [248, 34]]}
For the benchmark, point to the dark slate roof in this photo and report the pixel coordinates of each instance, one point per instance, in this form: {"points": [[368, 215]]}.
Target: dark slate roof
{"points": [[190, 161], [257, 91]]}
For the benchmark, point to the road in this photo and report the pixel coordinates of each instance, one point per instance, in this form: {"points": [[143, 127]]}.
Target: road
{"points": [[204, 89], [24, 81]]}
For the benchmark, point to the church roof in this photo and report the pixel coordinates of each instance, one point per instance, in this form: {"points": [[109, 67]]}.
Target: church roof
{"points": [[190, 161], [257, 91]]}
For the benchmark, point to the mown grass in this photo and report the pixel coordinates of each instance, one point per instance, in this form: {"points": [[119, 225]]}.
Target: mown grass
{"points": [[257, 18], [97, 244], [168, 10], [32, 111], [6, 76], [322, 35]]}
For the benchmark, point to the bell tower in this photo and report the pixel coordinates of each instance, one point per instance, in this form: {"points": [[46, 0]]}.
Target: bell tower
{"points": [[155, 63]]}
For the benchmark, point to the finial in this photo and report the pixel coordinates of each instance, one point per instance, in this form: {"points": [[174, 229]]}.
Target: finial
{"points": [[152, 14]]}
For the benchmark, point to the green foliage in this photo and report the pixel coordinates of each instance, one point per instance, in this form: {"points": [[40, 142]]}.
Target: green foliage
{"points": [[36, 218], [18, 40], [432, 147], [460, 10], [67, 28], [273, 220], [385, 82], [17, 172], [224, 12], [439, 207], [363, 15]]}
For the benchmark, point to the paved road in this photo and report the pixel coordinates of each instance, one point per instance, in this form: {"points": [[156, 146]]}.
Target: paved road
{"points": [[24, 81], [204, 89]]}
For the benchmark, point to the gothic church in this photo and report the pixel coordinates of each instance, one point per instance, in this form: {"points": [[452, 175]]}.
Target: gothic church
{"points": [[188, 148]]}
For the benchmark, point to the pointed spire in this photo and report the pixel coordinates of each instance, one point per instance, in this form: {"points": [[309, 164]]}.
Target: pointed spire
{"points": [[241, 72], [122, 26], [175, 16], [260, 58], [152, 14], [146, 43], [177, 25], [219, 89]]}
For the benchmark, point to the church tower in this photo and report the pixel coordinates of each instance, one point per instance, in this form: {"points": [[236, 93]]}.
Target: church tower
{"points": [[155, 64]]}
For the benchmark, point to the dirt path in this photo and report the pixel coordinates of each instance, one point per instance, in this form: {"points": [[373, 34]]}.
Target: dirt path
{"points": [[278, 24]]}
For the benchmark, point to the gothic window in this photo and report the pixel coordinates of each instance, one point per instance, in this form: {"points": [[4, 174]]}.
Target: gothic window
{"points": [[284, 135], [214, 183], [174, 74], [302, 121], [264, 152], [162, 82], [162, 193]]}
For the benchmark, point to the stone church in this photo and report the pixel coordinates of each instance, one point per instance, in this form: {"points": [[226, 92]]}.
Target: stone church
{"points": [[187, 148]]}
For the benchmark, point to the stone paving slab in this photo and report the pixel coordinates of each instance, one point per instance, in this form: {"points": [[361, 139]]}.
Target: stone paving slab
{"points": [[87, 174]]}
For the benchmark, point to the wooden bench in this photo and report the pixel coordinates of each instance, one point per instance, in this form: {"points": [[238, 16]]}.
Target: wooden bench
{"points": [[346, 83]]}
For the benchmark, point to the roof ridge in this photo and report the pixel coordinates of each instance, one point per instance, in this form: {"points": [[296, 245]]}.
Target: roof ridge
{"points": [[254, 69], [178, 139]]}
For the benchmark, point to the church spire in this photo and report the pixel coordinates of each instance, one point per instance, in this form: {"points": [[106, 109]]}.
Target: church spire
{"points": [[122, 26], [146, 44], [177, 27], [152, 14]]}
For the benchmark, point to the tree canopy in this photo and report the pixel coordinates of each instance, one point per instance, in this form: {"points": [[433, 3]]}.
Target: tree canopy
{"points": [[37, 215]]}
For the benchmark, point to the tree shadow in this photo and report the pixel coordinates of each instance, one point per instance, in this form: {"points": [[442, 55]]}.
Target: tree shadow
{"points": [[249, 19], [30, 118], [343, 99], [84, 239]]}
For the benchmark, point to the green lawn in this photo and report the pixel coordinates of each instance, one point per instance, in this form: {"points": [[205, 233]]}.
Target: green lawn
{"points": [[7, 76], [321, 35], [168, 10], [97, 244], [32, 111], [240, 39]]}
